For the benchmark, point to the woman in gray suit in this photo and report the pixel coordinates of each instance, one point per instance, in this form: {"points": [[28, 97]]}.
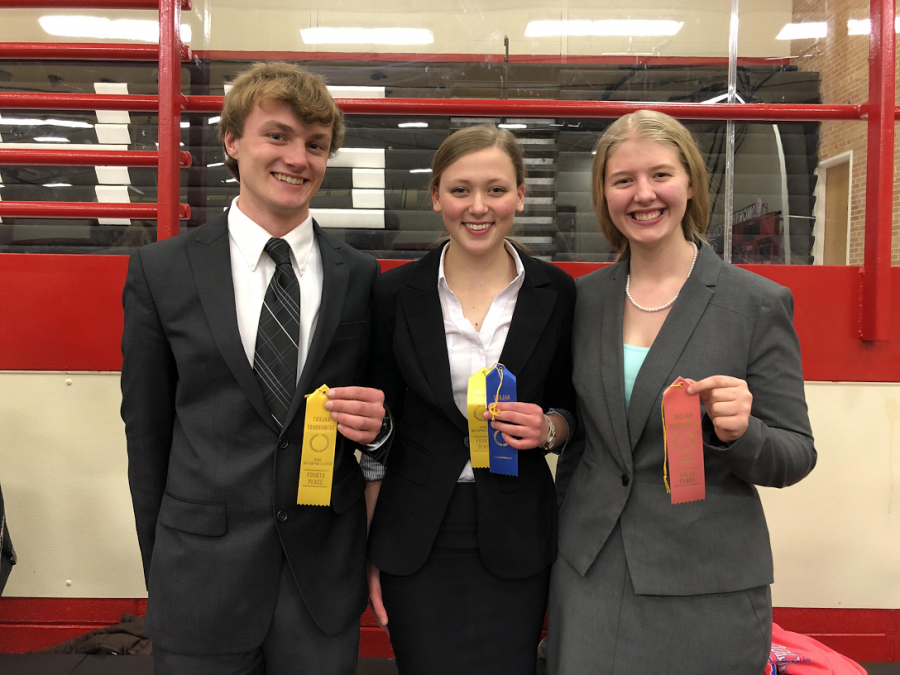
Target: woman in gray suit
{"points": [[642, 585]]}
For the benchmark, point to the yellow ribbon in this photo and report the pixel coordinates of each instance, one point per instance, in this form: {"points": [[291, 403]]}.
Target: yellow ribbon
{"points": [[493, 407], [476, 398], [317, 458], [662, 410]]}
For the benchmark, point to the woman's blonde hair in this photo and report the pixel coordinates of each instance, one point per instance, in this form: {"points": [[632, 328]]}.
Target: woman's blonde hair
{"points": [[303, 92], [648, 125]]}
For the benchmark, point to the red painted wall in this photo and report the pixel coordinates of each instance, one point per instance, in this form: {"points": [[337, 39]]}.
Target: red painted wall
{"points": [[64, 312]]}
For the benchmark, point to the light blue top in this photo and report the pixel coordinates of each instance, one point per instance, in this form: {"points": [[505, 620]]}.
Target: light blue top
{"points": [[634, 359]]}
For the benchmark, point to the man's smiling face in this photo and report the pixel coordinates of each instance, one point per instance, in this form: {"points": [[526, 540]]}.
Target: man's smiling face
{"points": [[282, 163]]}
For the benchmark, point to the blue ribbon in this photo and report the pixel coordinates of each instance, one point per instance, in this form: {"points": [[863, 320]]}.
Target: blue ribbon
{"points": [[504, 458]]}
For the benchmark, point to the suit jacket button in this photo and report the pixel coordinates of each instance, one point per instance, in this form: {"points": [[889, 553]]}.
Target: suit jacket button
{"points": [[466, 441], [282, 516], [625, 480], [283, 443]]}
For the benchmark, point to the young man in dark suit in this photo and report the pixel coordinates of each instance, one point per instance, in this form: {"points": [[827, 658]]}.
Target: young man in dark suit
{"points": [[227, 329]]}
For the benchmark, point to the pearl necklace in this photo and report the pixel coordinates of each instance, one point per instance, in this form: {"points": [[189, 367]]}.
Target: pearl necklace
{"points": [[661, 307]]}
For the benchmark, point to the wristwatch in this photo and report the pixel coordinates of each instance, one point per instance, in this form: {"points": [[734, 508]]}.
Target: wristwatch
{"points": [[551, 436]]}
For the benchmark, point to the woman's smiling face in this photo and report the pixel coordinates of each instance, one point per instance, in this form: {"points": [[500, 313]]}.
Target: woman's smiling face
{"points": [[478, 199], [646, 190]]}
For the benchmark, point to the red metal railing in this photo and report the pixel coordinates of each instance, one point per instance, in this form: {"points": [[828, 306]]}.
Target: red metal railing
{"points": [[48, 157], [169, 53], [85, 210], [92, 4], [876, 270], [54, 51], [880, 112]]}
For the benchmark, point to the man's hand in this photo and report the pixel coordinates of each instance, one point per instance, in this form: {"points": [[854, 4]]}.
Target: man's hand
{"points": [[523, 425], [727, 401], [374, 578], [358, 411]]}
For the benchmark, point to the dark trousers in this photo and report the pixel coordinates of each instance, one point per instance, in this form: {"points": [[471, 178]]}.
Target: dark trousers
{"points": [[294, 645]]}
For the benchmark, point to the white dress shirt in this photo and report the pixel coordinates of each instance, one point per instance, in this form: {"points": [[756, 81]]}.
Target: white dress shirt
{"points": [[252, 270], [470, 350]]}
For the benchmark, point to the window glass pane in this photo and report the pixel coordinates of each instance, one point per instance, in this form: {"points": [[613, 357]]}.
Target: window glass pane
{"points": [[826, 39], [560, 51]]}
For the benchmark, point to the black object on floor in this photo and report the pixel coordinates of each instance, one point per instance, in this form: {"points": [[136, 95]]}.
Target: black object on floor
{"points": [[77, 664]]}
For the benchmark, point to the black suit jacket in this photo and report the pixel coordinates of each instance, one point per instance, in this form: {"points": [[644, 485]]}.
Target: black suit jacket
{"points": [[516, 515], [213, 481]]}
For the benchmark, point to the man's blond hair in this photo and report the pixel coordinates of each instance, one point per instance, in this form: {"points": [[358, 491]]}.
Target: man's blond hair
{"points": [[303, 92]]}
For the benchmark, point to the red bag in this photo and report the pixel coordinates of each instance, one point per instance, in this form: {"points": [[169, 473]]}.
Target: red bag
{"points": [[796, 654]]}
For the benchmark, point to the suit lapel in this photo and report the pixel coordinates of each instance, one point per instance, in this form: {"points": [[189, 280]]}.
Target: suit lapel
{"points": [[534, 308], [656, 373], [210, 257], [425, 319], [612, 367], [335, 280]]}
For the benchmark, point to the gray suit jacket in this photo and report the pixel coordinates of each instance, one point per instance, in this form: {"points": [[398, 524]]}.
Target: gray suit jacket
{"points": [[213, 479], [726, 321]]}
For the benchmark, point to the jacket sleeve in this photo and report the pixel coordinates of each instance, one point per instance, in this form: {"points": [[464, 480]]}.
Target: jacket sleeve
{"points": [[385, 374], [777, 449], [559, 392], [149, 377]]}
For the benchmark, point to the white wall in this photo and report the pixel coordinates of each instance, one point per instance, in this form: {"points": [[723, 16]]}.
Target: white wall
{"points": [[836, 535]]}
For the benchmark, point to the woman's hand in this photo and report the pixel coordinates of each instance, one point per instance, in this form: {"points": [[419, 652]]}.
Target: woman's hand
{"points": [[522, 425], [727, 401], [374, 577]]}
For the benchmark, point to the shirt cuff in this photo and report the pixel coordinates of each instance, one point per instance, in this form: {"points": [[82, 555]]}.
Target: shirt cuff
{"points": [[372, 469], [570, 421]]}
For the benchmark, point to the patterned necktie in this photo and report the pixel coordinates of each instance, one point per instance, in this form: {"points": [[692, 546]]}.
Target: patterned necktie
{"points": [[275, 361]]}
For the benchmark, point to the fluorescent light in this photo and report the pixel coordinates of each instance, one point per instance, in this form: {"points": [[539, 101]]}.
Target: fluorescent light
{"points": [[803, 31], [513, 126], [413, 125], [214, 120], [185, 125], [864, 26], [101, 28], [32, 122], [209, 166], [604, 28], [51, 139], [367, 36], [57, 185], [232, 180], [420, 170]]}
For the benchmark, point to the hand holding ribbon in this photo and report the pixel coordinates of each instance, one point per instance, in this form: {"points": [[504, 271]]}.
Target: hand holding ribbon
{"points": [[522, 425], [727, 401], [359, 412]]}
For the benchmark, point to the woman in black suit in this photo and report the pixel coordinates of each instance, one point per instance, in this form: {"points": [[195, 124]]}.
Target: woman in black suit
{"points": [[462, 557]]}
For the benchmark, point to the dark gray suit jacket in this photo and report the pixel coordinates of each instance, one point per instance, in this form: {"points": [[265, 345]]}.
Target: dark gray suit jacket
{"points": [[726, 321], [213, 482]]}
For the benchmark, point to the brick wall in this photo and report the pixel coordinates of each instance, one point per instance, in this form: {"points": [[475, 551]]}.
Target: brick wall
{"points": [[842, 63]]}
